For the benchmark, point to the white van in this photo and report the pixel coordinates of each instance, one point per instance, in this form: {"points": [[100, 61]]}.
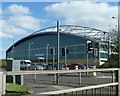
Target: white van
{"points": [[24, 64]]}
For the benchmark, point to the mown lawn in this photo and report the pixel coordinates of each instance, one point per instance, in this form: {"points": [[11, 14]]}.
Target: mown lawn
{"points": [[16, 90]]}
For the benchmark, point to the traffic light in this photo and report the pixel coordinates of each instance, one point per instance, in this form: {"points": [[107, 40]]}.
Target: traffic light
{"points": [[66, 51], [63, 51], [51, 51], [89, 46]]}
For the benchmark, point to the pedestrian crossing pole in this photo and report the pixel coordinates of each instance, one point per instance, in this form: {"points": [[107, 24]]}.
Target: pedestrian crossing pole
{"points": [[58, 51]]}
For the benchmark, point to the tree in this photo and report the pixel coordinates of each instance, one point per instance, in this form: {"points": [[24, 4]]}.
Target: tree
{"points": [[115, 49], [112, 42], [115, 42], [3, 63]]}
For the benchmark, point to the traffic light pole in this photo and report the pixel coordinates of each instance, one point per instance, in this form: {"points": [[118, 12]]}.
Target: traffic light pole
{"points": [[118, 79], [47, 48], [53, 54], [53, 57], [58, 52], [88, 49], [58, 45], [87, 58], [65, 57], [108, 49]]}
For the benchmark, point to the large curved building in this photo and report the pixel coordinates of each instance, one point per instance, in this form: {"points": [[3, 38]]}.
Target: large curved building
{"points": [[39, 46]]}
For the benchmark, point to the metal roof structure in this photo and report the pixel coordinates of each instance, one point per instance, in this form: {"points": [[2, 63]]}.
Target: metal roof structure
{"points": [[86, 32], [81, 31]]}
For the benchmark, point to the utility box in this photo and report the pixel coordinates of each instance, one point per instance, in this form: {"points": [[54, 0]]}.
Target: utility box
{"points": [[16, 65], [13, 65]]}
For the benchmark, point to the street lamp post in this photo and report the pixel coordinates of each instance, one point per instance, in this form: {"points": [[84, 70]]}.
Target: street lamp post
{"points": [[12, 51], [47, 53], [53, 57], [29, 49], [58, 45], [108, 48], [75, 52], [58, 51], [118, 73], [119, 46], [65, 56]]}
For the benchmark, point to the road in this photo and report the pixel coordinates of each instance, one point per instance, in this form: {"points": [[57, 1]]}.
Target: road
{"points": [[46, 83]]}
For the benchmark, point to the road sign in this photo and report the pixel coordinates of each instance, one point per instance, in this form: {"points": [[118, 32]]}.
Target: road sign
{"points": [[41, 58]]}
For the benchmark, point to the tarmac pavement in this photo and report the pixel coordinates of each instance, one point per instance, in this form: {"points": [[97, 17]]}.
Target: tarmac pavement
{"points": [[45, 83]]}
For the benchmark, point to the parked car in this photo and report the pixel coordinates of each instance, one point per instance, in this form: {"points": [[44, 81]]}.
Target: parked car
{"points": [[24, 64], [35, 67], [80, 66], [61, 67], [44, 66], [83, 66], [55, 67], [93, 67]]}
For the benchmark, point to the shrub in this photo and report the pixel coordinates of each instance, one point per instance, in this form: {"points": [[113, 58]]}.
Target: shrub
{"points": [[3, 63]]}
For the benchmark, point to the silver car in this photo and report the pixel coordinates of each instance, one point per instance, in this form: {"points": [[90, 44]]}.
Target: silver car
{"points": [[36, 67]]}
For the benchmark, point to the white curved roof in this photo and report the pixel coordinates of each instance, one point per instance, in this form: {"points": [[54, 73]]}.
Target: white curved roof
{"points": [[86, 32]]}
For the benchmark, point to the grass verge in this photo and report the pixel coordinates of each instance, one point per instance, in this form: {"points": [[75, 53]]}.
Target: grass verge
{"points": [[16, 90]]}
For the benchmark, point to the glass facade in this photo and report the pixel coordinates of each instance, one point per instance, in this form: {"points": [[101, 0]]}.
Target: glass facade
{"points": [[39, 46]]}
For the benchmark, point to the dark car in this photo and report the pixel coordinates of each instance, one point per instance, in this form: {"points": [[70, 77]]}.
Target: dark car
{"points": [[83, 66], [80, 66]]}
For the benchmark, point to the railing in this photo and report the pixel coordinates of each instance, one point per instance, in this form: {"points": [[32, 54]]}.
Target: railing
{"points": [[56, 79], [75, 90]]}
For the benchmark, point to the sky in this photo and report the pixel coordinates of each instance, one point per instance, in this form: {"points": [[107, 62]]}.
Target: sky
{"points": [[19, 19]]}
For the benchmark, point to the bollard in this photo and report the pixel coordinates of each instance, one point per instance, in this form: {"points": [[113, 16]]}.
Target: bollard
{"points": [[94, 73]]}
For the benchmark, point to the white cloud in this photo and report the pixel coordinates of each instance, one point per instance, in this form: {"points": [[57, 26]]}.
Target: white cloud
{"points": [[20, 23], [16, 21], [96, 15], [8, 29], [3, 35], [25, 22], [18, 9], [0, 11], [2, 51]]}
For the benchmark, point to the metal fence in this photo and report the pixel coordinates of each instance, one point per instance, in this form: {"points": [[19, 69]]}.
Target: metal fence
{"points": [[84, 90]]}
